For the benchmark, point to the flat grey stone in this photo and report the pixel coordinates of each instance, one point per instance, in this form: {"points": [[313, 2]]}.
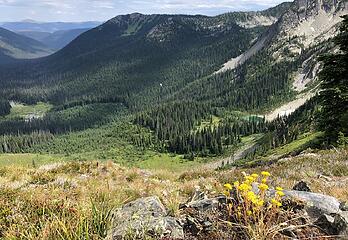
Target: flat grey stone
{"points": [[144, 217]]}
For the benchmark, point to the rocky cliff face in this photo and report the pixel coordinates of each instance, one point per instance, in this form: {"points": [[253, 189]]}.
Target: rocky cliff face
{"points": [[312, 19]]}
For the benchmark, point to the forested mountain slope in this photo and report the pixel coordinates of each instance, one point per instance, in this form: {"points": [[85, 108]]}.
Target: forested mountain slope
{"points": [[139, 59], [282, 62], [134, 55], [14, 46], [162, 71], [60, 39]]}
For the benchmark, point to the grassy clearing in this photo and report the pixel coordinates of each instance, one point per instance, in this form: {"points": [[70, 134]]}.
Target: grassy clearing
{"points": [[214, 121], [251, 139], [28, 160], [169, 162], [299, 144], [21, 111], [114, 142], [302, 143]]}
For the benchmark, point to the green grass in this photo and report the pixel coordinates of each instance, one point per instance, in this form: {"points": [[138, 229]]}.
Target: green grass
{"points": [[21, 111], [112, 142], [28, 159], [304, 142], [132, 29], [145, 160], [297, 145], [251, 139], [171, 162], [214, 121]]}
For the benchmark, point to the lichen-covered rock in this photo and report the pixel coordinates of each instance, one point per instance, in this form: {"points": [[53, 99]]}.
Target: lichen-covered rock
{"points": [[144, 217], [324, 211], [316, 204], [204, 203]]}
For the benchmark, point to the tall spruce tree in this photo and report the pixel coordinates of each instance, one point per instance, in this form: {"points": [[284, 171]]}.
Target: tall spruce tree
{"points": [[5, 107], [334, 94]]}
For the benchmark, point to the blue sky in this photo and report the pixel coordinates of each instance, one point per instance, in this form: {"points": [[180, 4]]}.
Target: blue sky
{"points": [[100, 10]]}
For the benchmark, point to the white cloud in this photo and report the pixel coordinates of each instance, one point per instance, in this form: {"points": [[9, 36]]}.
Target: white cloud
{"points": [[82, 10]]}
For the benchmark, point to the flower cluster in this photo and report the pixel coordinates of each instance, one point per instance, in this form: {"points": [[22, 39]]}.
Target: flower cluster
{"points": [[249, 198]]}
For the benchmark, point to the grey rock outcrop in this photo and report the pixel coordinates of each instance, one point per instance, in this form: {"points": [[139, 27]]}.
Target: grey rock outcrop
{"points": [[316, 204], [147, 217], [324, 211], [201, 202], [144, 217]]}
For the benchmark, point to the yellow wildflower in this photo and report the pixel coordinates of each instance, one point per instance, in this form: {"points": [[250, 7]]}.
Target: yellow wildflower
{"points": [[251, 196], [280, 193], [260, 203], [276, 202], [263, 187], [249, 213], [254, 175], [244, 187], [279, 189], [228, 186], [250, 179], [264, 180], [236, 184], [265, 174]]}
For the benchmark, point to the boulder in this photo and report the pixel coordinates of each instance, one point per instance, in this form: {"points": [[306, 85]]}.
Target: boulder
{"points": [[334, 224], [205, 204], [302, 186], [324, 211], [145, 217], [316, 204]]}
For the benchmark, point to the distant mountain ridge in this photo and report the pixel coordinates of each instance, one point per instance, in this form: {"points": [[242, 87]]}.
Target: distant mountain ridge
{"points": [[47, 26], [55, 35], [56, 40], [14, 46]]}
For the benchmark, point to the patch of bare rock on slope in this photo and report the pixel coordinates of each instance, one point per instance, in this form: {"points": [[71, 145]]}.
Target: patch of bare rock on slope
{"points": [[289, 107], [241, 59]]}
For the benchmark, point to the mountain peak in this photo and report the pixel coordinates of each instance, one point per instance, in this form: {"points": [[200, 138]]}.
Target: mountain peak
{"points": [[29, 21], [313, 17], [308, 8]]}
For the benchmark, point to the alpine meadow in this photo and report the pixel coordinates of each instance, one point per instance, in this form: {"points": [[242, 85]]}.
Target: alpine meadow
{"points": [[174, 126]]}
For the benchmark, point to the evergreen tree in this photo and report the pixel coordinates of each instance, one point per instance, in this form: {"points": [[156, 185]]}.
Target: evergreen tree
{"points": [[5, 107], [334, 94]]}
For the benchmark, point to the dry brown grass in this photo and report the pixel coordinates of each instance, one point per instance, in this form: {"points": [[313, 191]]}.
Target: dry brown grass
{"points": [[325, 171], [72, 200], [59, 202]]}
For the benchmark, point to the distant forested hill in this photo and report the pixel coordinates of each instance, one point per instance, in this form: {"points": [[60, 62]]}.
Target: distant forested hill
{"points": [[14, 46]]}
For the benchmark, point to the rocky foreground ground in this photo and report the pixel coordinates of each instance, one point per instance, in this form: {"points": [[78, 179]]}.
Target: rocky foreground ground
{"points": [[304, 215]]}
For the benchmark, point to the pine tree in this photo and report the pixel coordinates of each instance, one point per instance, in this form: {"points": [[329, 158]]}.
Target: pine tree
{"points": [[334, 94]]}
